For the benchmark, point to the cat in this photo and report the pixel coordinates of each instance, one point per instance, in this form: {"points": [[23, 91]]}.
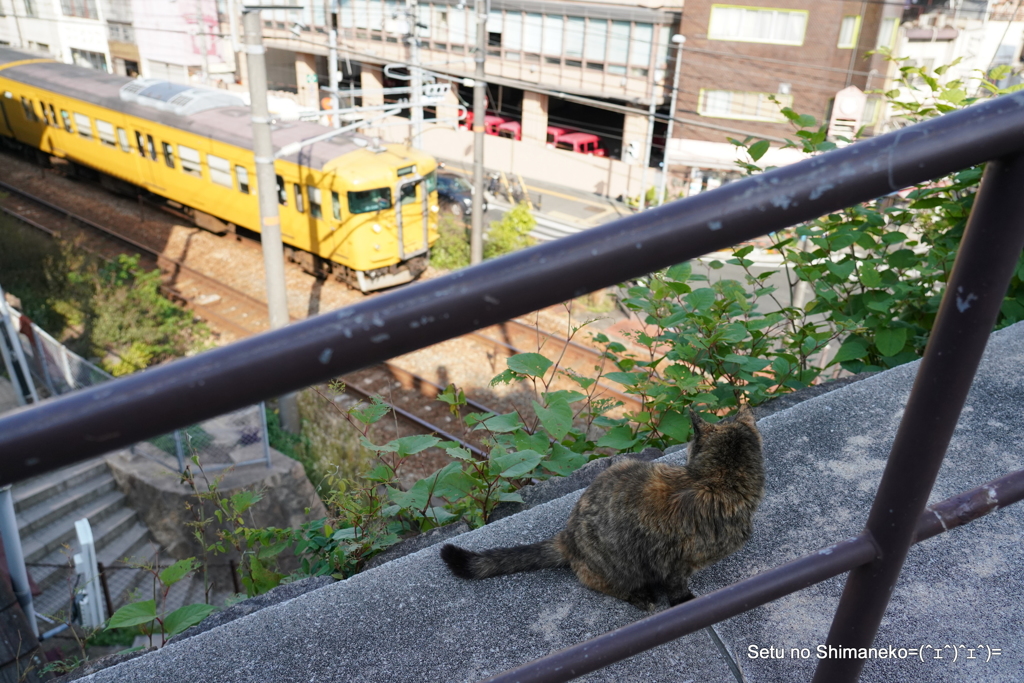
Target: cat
{"points": [[641, 529]]}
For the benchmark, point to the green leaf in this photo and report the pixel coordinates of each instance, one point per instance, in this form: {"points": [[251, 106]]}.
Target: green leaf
{"points": [[680, 272], [564, 462], [500, 424], [806, 121], [504, 377], [619, 438], [869, 276], [891, 341], [629, 379], [409, 445], [371, 413], [380, 473], [563, 395], [243, 500], [454, 484], [183, 617], [532, 364], [516, 464], [133, 614], [757, 150], [841, 270], [733, 332], [177, 571], [675, 425], [701, 299], [459, 452], [851, 350], [556, 418]]}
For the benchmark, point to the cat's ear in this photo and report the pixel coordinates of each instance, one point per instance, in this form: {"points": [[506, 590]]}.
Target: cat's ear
{"points": [[698, 423], [745, 416]]}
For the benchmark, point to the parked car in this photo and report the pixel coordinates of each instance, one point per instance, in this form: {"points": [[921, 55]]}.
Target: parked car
{"points": [[511, 129], [554, 132], [491, 123], [455, 195], [582, 143]]}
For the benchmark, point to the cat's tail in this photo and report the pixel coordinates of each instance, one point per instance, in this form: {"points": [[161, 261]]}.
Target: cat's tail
{"points": [[467, 564]]}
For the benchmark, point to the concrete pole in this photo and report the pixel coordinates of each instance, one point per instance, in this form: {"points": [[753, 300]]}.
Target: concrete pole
{"points": [[647, 151], [266, 191], [476, 241], [333, 79], [16, 558], [416, 75], [678, 40]]}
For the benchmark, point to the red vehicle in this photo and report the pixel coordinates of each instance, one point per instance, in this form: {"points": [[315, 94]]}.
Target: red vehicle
{"points": [[491, 123], [554, 132], [511, 129], [581, 143]]}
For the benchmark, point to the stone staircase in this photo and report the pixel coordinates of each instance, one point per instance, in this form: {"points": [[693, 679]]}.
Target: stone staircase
{"points": [[47, 508]]}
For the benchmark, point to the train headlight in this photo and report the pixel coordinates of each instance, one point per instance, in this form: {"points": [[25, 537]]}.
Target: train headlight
{"points": [[435, 208], [377, 229], [376, 247]]}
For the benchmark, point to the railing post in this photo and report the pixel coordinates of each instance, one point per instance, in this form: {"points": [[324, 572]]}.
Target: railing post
{"points": [[986, 260], [266, 433]]}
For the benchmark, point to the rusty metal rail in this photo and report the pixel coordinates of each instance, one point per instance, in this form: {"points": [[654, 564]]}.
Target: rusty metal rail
{"points": [[91, 422]]}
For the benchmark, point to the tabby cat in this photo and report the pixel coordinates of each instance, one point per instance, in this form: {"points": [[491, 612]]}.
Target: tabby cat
{"points": [[641, 529]]}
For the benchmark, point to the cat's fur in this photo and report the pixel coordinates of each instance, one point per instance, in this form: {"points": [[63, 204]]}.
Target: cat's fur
{"points": [[641, 529]]}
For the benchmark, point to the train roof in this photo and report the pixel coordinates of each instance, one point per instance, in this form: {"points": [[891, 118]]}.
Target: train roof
{"points": [[221, 122]]}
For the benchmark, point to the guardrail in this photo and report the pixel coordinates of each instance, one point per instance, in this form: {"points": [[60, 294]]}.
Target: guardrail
{"points": [[158, 400]]}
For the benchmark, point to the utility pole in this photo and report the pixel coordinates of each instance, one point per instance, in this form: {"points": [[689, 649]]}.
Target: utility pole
{"points": [[678, 40], [333, 79], [647, 150], [415, 74], [476, 241], [266, 191]]}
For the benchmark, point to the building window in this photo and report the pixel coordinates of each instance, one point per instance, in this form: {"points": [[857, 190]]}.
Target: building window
{"points": [[30, 9], [887, 32], [79, 8], [618, 47], [533, 33], [747, 24], [553, 27], [597, 39], [220, 170], [314, 200], [575, 27], [106, 132], [640, 49], [747, 106], [168, 154], [120, 33], [242, 173], [90, 60], [849, 31], [190, 161], [84, 126]]}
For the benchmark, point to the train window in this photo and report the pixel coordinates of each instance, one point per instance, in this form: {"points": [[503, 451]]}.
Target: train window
{"points": [[190, 161], [168, 154], [242, 173], [282, 196], [122, 137], [140, 144], [151, 146], [336, 206], [84, 126], [30, 110], [430, 180], [106, 132], [314, 201], [67, 121], [369, 200], [48, 114], [298, 198], [407, 195], [220, 170]]}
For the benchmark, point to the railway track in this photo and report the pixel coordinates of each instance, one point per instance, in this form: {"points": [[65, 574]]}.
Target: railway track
{"points": [[409, 395]]}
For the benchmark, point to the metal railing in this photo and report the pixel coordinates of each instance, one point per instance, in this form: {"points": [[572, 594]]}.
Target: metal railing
{"points": [[157, 400]]}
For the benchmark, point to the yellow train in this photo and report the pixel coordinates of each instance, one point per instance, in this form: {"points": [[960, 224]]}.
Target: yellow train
{"points": [[192, 147]]}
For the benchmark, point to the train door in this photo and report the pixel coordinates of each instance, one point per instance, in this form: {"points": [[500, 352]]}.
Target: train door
{"points": [[411, 215], [149, 158]]}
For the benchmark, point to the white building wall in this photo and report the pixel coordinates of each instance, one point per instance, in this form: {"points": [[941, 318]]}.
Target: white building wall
{"points": [[169, 40]]}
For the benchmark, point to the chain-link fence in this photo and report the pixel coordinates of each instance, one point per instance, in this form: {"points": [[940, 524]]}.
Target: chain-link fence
{"points": [[38, 366]]}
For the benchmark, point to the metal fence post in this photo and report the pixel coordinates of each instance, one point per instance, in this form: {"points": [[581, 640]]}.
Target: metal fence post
{"points": [[20, 363], [179, 451], [16, 557], [91, 598], [266, 433], [986, 260]]}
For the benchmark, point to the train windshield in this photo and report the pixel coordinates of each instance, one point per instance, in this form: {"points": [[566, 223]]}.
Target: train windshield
{"points": [[369, 200]]}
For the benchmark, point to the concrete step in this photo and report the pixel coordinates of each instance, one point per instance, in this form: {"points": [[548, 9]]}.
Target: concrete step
{"points": [[53, 507], [110, 506], [33, 491]]}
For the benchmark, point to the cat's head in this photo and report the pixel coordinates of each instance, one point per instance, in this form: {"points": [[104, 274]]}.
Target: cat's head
{"points": [[740, 429]]}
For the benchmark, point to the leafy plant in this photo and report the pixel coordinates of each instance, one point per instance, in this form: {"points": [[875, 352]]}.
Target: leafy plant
{"points": [[451, 251], [511, 233]]}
